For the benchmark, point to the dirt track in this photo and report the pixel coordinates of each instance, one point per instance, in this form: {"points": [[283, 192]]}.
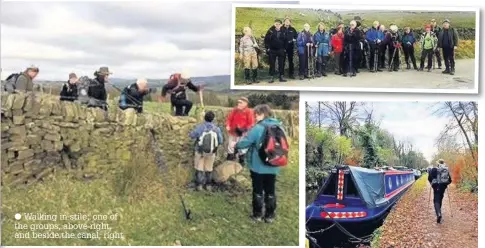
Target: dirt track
{"points": [[463, 79]]}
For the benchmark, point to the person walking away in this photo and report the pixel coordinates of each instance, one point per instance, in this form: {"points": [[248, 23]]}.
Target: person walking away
{"points": [[207, 138], [97, 89], [428, 42], [408, 41], [132, 95], [69, 89], [352, 42], [322, 40], [291, 35], [439, 178], [177, 84], [304, 43], [436, 30], [374, 38], [263, 176], [337, 43], [382, 48], [238, 122], [249, 55], [393, 41], [22, 82], [275, 42], [448, 42]]}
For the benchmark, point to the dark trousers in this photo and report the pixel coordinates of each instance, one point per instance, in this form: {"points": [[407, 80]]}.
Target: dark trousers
{"points": [[374, 53], [303, 59], [438, 194], [273, 56], [263, 193], [180, 104], [290, 52], [322, 62], [426, 53], [449, 57], [409, 54], [351, 61], [394, 51], [339, 62], [438, 56], [382, 56]]}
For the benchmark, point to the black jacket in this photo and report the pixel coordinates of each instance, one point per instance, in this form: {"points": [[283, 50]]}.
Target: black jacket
{"points": [[452, 35], [352, 39], [291, 34], [131, 97], [177, 90], [97, 94], [69, 92], [273, 42]]}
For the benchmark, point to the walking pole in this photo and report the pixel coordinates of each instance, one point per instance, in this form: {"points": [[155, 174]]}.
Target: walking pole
{"points": [[429, 196], [309, 62], [449, 202], [391, 64], [434, 60]]}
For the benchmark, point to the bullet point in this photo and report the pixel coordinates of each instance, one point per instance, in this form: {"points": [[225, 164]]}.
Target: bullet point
{"points": [[18, 216]]}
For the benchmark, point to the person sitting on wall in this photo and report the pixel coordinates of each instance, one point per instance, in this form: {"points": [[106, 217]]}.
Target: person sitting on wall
{"points": [[177, 84], [132, 95], [69, 89]]}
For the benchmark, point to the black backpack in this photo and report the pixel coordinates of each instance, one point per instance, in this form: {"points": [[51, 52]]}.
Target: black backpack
{"points": [[274, 147], [208, 142], [10, 82]]}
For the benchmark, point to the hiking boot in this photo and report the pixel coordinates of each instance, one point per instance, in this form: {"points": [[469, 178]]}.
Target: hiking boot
{"points": [[372, 70], [353, 74], [291, 77], [408, 67], [269, 220], [271, 80], [357, 70], [452, 72], [256, 218], [255, 76], [395, 69], [429, 69], [282, 79], [318, 74], [302, 77], [338, 73], [346, 74], [379, 69], [324, 74], [446, 71], [246, 76], [208, 187], [438, 220], [199, 187]]}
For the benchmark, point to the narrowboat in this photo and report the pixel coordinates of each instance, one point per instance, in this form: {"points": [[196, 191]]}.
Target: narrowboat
{"points": [[357, 198]]}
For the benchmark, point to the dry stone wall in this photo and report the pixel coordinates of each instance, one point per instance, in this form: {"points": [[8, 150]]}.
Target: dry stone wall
{"points": [[40, 134]]}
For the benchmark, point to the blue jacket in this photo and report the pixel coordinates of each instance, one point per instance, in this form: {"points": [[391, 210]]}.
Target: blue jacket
{"points": [[302, 40], [373, 34], [408, 38], [253, 141], [199, 129], [323, 41]]}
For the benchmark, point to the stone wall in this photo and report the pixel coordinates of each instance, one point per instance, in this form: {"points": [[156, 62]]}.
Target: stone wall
{"points": [[40, 134]]}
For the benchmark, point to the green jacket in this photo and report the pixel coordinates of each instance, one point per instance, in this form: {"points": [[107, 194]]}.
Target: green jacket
{"points": [[253, 141], [453, 37], [434, 40], [24, 83]]}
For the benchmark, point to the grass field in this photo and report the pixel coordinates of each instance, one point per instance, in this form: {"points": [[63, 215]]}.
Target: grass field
{"points": [[261, 19], [149, 207]]}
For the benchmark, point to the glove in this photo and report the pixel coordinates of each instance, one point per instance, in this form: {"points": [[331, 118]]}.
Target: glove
{"points": [[240, 131]]}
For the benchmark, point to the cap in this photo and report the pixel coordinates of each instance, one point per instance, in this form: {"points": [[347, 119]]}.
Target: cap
{"points": [[72, 75], [244, 99], [441, 160], [33, 68], [446, 20]]}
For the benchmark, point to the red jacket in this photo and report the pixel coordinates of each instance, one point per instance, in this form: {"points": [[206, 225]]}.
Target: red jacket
{"points": [[243, 119], [337, 42]]}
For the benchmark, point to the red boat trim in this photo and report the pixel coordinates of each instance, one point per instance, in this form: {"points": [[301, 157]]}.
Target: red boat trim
{"points": [[340, 186], [398, 190], [334, 205], [343, 215]]}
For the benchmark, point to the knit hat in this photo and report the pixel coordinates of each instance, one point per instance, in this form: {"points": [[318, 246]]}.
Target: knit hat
{"points": [[72, 75]]}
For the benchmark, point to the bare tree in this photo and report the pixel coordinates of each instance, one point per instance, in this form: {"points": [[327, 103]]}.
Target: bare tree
{"points": [[342, 115]]}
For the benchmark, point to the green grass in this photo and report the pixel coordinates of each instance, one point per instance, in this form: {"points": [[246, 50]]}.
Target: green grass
{"points": [[150, 210]]}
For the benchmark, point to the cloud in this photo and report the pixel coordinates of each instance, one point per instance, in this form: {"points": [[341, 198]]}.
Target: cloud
{"points": [[149, 39]]}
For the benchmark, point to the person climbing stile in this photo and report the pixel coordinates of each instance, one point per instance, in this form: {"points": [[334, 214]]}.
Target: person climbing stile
{"points": [[439, 178], [177, 84], [238, 122], [207, 137]]}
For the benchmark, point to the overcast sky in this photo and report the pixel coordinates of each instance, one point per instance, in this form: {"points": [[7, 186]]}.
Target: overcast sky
{"points": [[411, 121], [135, 39]]}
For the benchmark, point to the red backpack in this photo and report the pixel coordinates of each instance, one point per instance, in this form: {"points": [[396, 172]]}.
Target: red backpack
{"points": [[274, 148]]}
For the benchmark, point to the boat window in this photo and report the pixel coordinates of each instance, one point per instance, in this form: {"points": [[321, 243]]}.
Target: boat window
{"points": [[331, 187], [351, 190]]}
